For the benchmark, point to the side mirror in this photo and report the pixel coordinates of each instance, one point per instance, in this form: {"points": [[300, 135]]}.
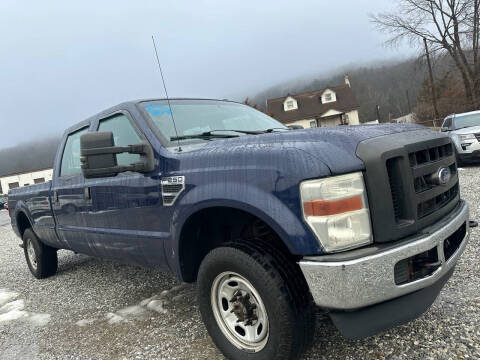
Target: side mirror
{"points": [[99, 156], [444, 129]]}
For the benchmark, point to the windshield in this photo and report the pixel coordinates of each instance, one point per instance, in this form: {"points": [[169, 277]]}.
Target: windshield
{"points": [[200, 116], [464, 121]]}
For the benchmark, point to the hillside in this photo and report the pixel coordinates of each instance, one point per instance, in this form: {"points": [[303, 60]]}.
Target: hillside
{"points": [[384, 84], [28, 156]]}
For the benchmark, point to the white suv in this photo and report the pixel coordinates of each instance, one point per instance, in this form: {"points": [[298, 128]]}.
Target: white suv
{"points": [[464, 130]]}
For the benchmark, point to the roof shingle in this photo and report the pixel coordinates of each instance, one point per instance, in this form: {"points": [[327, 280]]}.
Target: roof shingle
{"points": [[310, 105]]}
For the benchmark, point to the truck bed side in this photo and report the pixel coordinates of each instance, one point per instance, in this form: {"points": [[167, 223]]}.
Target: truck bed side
{"points": [[33, 204]]}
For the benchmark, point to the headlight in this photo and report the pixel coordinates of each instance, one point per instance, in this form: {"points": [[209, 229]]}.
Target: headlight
{"points": [[336, 209], [466, 137]]}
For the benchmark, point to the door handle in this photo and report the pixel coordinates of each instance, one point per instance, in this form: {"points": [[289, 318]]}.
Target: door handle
{"points": [[88, 194]]}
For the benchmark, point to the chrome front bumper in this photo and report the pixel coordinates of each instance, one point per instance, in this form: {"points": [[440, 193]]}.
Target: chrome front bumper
{"points": [[368, 280]]}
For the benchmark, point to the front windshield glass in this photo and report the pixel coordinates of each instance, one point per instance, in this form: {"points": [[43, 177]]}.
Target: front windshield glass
{"points": [[464, 121], [199, 116]]}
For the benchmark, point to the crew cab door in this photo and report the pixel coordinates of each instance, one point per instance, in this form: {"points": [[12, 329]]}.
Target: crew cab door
{"points": [[68, 197], [125, 211]]}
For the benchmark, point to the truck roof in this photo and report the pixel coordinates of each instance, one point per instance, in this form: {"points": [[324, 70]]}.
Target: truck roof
{"points": [[129, 104]]}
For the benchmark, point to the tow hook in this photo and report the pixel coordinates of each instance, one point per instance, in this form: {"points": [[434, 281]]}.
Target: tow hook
{"points": [[472, 224]]}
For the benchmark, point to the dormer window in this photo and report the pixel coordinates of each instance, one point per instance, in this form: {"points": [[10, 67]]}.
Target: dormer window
{"points": [[290, 104], [328, 96]]}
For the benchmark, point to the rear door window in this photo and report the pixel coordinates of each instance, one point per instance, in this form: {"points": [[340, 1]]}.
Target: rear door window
{"points": [[123, 134], [71, 154]]}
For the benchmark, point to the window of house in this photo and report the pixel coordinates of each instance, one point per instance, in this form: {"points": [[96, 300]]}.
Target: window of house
{"points": [[39, 180], [313, 124], [71, 154], [290, 104], [328, 97], [13, 185], [123, 134]]}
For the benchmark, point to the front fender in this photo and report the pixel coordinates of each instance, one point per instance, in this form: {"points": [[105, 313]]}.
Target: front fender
{"points": [[284, 220]]}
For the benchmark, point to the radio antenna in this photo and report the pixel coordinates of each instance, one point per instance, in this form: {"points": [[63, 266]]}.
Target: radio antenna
{"points": [[166, 93]]}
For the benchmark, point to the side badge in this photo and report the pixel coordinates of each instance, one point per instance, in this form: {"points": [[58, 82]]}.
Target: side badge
{"points": [[172, 187]]}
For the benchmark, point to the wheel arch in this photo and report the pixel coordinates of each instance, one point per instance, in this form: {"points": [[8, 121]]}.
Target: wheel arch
{"points": [[22, 222], [214, 224]]}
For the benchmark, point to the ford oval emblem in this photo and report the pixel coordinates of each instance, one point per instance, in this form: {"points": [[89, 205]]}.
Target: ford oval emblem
{"points": [[444, 175]]}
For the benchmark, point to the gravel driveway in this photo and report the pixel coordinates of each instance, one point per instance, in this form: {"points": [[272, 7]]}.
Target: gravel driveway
{"points": [[104, 310]]}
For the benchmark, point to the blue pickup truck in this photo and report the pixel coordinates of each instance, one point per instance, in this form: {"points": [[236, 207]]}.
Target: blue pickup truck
{"points": [[363, 222]]}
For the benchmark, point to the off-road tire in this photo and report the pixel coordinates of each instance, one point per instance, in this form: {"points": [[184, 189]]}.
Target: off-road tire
{"points": [[46, 256], [282, 288]]}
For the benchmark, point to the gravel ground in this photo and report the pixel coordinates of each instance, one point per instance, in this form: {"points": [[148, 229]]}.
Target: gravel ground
{"points": [[97, 309]]}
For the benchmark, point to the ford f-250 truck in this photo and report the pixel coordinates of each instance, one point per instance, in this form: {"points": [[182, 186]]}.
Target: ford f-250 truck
{"points": [[365, 222]]}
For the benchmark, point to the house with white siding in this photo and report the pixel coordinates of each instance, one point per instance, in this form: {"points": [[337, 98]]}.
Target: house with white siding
{"points": [[332, 106]]}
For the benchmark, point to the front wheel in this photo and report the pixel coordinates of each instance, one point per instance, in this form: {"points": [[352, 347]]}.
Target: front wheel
{"points": [[252, 306]]}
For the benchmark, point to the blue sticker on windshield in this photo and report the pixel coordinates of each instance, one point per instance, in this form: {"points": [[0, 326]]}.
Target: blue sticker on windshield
{"points": [[159, 109]]}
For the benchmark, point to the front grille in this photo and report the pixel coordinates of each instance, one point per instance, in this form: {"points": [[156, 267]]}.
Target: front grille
{"points": [[429, 155], [426, 208], [422, 183], [397, 187], [404, 191], [478, 136], [424, 165]]}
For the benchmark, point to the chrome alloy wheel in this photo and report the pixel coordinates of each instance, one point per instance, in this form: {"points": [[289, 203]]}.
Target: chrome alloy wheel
{"points": [[32, 257], [239, 312]]}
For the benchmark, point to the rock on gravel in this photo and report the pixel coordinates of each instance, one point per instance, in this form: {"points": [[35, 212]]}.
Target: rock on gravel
{"points": [[97, 309]]}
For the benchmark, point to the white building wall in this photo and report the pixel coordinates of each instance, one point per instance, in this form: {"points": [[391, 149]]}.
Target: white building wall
{"points": [[353, 118], [24, 179], [333, 121]]}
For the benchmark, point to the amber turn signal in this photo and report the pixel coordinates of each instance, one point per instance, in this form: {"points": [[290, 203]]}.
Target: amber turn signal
{"points": [[333, 207]]}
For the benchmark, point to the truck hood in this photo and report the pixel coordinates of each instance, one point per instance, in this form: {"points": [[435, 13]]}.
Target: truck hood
{"points": [[468, 130], [335, 147]]}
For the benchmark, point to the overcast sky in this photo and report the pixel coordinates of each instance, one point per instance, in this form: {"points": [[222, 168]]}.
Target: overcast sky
{"points": [[62, 62]]}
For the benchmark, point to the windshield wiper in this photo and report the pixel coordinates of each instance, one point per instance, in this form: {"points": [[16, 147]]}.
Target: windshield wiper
{"points": [[205, 135], [248, 132]]}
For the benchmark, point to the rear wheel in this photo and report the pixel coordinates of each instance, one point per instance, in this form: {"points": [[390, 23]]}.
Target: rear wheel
{"points": [[41, 259], [252, 304]]}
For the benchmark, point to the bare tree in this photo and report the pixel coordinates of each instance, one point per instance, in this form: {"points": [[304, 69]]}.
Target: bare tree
{"points": [[450, 26]]}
